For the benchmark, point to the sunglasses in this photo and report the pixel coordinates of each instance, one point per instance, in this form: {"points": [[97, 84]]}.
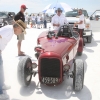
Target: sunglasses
{"points": [[79, 12], [59, 11]]}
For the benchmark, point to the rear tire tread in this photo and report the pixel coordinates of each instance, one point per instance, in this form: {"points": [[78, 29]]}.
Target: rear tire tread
{"points": [[78, 79], [20, 72]]}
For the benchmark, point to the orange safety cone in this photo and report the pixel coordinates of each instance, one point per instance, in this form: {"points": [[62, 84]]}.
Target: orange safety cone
{"points": [[31, 25]]}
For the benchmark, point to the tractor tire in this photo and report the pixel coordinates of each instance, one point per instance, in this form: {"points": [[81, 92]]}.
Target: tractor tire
{"points": [[24, 71], [78, 75], [6, 23], [89, 39], [79, 53]]}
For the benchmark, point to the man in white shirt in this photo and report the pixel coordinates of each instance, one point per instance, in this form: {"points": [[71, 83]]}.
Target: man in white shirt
{"points": [[6, 34], [45, 20], [26, 18], [38, 21], [59, 19], [33, 21], [81, 24]]}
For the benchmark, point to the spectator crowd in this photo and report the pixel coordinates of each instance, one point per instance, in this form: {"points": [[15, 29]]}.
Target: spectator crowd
{"points": [[36, 20]]}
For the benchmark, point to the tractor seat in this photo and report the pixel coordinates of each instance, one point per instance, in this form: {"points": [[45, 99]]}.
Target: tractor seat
{"points": [[66, 32]]}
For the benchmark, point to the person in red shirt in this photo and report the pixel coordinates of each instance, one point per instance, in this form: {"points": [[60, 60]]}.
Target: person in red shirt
{"points": [[20, 15]]}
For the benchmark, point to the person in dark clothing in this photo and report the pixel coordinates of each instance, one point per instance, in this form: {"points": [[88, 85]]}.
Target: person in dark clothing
{"points": [[20, 15], [45, 24], [45, 20]]}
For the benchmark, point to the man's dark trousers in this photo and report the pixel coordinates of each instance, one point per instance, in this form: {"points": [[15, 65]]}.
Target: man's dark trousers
{"points": [[45, 24]]}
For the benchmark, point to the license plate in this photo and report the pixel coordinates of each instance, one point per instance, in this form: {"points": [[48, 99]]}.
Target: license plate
{"points": [[50, 80]]}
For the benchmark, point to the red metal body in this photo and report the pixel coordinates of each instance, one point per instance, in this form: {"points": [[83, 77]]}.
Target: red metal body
{"points": [[64, 49]]}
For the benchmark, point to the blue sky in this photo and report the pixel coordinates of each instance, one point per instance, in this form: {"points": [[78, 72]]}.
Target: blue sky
{"points": [[36, 6]]}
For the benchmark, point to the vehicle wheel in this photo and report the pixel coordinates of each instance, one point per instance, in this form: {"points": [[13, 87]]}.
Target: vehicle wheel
{"points": [[89, 39], [37, 55], [5, 23], [79, 53], [78, 75], [24, 71], [80, 47]]}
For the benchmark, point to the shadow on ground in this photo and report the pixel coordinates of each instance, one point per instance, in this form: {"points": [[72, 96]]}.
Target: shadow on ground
{"points": [[28, 90], [94, 43], [64, 91]]}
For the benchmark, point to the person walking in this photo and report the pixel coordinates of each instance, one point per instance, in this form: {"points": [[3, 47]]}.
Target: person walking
{"points": [[26, 18], [20, 37], [42, 19], [38, 21], [30, 20], [6, 34], [33, 21], [58, 20], [45, 20], [81, 24]]}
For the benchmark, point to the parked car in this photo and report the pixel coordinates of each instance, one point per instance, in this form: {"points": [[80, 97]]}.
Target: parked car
{"points": [[56, 58], [95, 15], [72, 17], [49, 17], [6, 18]]}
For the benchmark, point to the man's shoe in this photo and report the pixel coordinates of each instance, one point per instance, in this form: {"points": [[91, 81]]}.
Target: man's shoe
{"points": [[4, 96], [5, 87], [21, 54]]}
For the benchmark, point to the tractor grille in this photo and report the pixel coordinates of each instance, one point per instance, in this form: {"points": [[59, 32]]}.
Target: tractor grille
{"points": [[50, 67]]}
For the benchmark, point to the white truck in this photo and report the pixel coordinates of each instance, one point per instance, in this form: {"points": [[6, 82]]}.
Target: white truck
{"points": [[72, 17]]}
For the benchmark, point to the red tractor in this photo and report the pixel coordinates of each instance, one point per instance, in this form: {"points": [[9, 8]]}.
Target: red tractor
{"points": [[56, 54]]}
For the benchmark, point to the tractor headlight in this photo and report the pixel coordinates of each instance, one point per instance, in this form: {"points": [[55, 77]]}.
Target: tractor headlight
{"points": [[87, 26], [87, 23], [66, 67], [38, 46], [1, 20], [34, 65]]}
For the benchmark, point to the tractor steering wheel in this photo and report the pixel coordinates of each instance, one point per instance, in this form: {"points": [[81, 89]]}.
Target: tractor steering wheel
{"points": [[65, 31]]}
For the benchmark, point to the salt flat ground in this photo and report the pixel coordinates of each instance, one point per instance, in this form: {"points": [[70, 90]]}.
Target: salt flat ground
{"points": [[36, 91]]}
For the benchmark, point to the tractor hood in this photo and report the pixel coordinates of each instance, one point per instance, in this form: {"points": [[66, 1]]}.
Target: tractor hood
{"points": [[59, 46]]}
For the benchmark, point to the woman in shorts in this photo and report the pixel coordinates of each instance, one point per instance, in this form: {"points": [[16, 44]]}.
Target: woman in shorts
{"points": [[42, 22], [33, 21], [38, 21]]}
